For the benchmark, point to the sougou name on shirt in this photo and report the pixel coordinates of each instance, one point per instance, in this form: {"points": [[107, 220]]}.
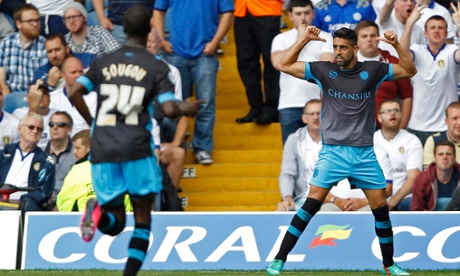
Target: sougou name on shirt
{"points": [[124, 70]]}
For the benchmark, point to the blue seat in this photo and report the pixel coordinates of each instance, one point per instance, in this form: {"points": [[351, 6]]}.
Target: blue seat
{"points": [[14, 100]]}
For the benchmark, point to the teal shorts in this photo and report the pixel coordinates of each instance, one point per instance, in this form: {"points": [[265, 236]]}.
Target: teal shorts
{"points": [[112, 180], [358, 164]]}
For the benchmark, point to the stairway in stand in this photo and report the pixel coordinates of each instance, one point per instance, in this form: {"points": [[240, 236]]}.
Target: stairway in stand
{"points": [[247, 157]]}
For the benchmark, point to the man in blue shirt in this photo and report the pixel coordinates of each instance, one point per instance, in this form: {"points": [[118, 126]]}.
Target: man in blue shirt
{"points": [[196, 31], [332, 15]]}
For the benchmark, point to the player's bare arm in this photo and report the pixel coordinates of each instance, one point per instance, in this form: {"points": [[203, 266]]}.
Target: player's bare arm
{"points": [[406, 35], [76, 96], [406, 67], [288, 63], [186, 108]]}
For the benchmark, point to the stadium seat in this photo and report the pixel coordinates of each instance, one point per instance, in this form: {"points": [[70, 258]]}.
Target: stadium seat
{"points": [[14, 100]]}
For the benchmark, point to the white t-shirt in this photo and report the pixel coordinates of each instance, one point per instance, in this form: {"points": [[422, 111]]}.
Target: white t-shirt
{"points": [[59, 101], [405, 152], [8, 129], [295, 92], [18, 175], [435, 87], [50, 7], [393, 24]]}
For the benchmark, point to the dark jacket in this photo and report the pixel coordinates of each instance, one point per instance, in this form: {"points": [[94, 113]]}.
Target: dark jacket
{"points": [[41, 173], [425, 190]]}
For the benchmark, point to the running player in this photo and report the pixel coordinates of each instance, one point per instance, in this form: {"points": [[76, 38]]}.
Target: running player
{"points": [[347, 128], [122, 155]]}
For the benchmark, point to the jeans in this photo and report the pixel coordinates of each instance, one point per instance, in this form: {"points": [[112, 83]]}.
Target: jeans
{"points": [[118, 34], [200, 72], [404, 204], [290, 121]]}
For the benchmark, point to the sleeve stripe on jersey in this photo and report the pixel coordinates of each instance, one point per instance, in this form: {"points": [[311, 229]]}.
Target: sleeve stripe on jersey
{"points": [[390, 72], [166, 97], [86, 83]]}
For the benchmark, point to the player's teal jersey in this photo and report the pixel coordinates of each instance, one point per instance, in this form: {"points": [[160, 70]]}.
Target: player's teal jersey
{"points": [[126, 81], [348, 109]]}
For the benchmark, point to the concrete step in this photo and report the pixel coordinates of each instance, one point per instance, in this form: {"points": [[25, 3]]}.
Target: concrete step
{"points": [[230, 184], [240, 156], [231, 198], [237, 170], [248, 142], [250, 129]]}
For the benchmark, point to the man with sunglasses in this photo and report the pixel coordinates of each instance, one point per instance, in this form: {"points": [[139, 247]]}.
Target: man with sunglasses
{"points": [[22, 52], [38, 98], [24, 164], [60, 148]]}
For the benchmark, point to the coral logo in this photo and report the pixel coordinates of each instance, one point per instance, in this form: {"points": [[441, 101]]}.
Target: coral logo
{"points": [[328, 232]]}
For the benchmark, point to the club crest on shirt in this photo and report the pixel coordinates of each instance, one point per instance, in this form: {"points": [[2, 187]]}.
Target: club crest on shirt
{"points": [[441, 63], [364, 75], [6, 139], [357, 16], [401, 150], [37, 166]]}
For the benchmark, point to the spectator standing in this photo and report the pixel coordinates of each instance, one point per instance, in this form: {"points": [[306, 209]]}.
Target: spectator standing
{"points": [[22, 52], [432, 8], [332, 15], [435, 186], [24, 164], [82, 38], [438, 68], [257, 22], [452, 134], [393, 16], [51, 15], [368, 32], [113, 22], [405, 153], [294, 93], [196, 31]]}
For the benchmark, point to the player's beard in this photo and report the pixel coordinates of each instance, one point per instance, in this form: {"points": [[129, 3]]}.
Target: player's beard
{"points": [[344, 62]]}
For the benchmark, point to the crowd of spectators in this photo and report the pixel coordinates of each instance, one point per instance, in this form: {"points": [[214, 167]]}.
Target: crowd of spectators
{"points": [[46, 45], [416, 119]]}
